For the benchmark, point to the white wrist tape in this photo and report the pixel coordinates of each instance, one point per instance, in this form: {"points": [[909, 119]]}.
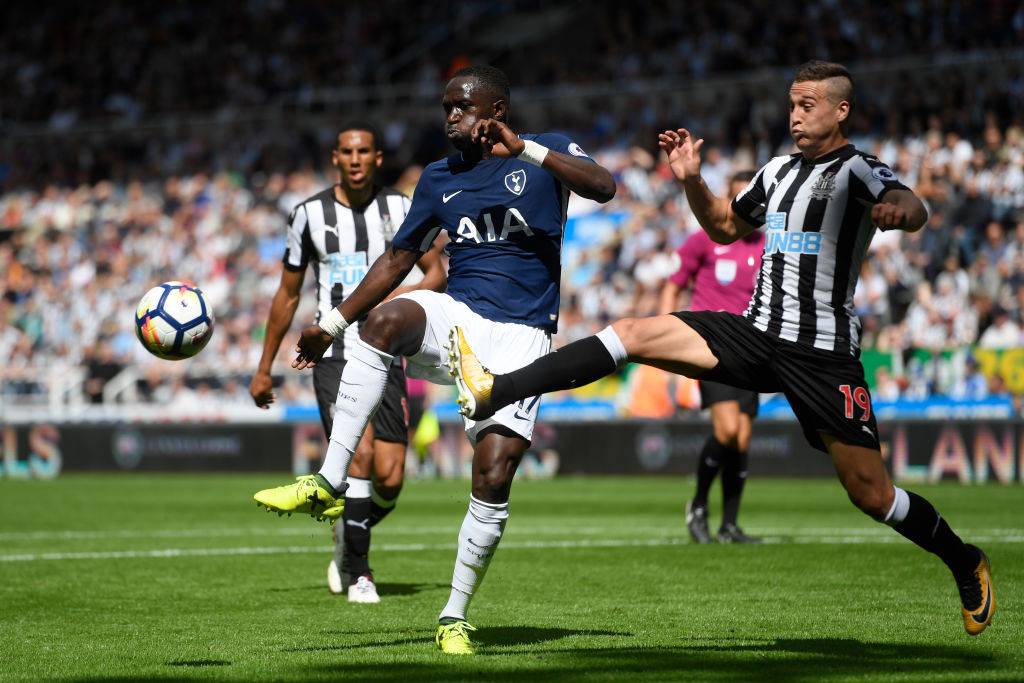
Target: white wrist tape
{"points": [[533, 152], [333, 323]]}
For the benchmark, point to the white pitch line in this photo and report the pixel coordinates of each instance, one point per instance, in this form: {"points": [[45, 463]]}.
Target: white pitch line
{"points": [[420, 547], [311, 530]]}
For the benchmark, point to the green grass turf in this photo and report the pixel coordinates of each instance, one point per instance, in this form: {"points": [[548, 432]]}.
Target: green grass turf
{"points": [[594, 580]]}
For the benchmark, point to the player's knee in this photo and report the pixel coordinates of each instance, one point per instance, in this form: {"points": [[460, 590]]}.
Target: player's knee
{"points": [[493, 482], [727, 433], [389, 474], [381, 327]]}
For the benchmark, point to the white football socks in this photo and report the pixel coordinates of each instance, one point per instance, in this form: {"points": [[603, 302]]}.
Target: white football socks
{"points": [[613, 343], [361, 389], [478, 539], [900, 507], [357, 488]]}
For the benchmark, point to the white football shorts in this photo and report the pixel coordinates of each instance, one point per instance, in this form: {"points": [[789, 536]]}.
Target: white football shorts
{"points": [[501, 347]]}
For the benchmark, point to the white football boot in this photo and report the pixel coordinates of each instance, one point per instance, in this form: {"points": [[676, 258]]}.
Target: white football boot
{"points": [[363, 590], [334, 581]]}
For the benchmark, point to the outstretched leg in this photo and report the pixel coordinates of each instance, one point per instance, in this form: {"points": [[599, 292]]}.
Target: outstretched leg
{"points": [[869, 487], [663, 341]]}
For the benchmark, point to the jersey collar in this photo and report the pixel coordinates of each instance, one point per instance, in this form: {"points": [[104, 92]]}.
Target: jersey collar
{"points": [[844, 152]]}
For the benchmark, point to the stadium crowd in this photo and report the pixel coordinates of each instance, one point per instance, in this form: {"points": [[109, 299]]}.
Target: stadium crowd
{"points": [[144, 159], [180, 93], [73, 262], [199, 56]]}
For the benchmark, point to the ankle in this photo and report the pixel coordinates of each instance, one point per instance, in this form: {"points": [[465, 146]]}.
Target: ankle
{"points": [[321, 481]]}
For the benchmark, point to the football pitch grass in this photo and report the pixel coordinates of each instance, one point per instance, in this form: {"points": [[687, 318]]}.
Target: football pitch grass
{"points": [[130, 577]]}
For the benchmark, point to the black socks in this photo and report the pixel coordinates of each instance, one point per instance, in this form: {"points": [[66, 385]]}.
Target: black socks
{"points": [[708, 463], [925, 526], [574, 365], [356, 520], [379, 512], [734, 476], [715, 457]]}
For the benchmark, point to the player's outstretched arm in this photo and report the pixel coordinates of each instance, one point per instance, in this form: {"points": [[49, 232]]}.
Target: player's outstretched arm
{"points": [[714, 214], [383, 277], [435, 275], [582, 176], [899, 210], [282, 311]]}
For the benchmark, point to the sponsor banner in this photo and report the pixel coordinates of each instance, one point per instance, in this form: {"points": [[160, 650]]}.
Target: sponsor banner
{"points": [[965, 451], [672, 447], [972, 452], [44, 450]]}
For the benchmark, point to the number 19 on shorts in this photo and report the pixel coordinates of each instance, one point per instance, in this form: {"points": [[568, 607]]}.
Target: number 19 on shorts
{"points": [[856, 396]]}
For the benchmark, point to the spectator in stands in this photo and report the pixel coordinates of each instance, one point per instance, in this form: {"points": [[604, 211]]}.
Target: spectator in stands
{"points": [[1003, 333], [102, 367]]}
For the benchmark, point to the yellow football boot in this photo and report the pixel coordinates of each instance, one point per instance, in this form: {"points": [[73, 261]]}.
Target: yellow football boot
{"points": [[305, 496], [453, 638], [473, 380], [976, 590]]}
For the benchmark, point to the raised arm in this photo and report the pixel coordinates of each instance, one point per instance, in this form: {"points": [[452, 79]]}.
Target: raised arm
{"points": [[580, 174], [714, 214]]}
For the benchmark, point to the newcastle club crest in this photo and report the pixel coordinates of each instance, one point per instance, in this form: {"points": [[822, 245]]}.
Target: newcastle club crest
{"points": [[516, 181], [822, 189]]}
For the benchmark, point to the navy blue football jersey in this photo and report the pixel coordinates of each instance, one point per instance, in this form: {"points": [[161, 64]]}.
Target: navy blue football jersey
{"points": [[505, 218]]}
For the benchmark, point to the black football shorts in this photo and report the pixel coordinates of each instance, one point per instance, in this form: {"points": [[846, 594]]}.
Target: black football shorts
{"points": [[715, 392], [826, 390], [390, 423]]}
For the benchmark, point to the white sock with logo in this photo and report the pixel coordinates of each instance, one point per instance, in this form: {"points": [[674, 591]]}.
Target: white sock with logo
{"points": [[478, 539], [361, 389]]}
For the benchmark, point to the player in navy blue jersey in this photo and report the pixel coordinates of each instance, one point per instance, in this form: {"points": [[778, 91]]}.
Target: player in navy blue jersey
{"points": [[502, 200]]}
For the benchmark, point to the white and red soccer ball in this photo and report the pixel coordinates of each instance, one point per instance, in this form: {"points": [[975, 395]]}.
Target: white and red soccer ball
{"points": [[174, 321]]}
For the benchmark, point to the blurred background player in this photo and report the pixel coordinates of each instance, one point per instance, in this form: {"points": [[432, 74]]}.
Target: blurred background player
{"points": [[722, 278], [341, 230], [503, 199]]}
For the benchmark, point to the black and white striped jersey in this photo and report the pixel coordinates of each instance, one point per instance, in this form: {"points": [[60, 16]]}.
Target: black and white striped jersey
{"points": [[817, 216], [341, 243]]}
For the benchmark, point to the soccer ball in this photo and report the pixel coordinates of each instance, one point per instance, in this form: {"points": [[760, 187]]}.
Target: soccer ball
{"points": [[173, 321]]}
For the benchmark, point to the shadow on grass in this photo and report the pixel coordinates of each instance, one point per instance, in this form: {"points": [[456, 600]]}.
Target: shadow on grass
{"points": [[510, 636], [386, 589], [394, 589], [519, 659], [291, 589], [795, 659], [199, 662]]}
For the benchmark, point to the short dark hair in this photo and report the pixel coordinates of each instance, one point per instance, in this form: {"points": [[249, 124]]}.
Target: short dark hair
{"points": [[491, 78], [820, 70], [742, 177], [364, 126]]}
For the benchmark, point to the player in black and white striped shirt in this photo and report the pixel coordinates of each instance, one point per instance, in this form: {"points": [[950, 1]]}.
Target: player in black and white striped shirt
{"points": [[341, 231], [799, 335]]}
